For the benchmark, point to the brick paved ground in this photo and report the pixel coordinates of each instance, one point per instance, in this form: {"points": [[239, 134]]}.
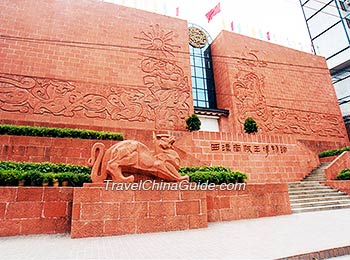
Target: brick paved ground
{"points": [[269, 238]]}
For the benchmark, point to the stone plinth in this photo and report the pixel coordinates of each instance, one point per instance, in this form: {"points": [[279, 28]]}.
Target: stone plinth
{"points": [[101, 212], [256, 201]]}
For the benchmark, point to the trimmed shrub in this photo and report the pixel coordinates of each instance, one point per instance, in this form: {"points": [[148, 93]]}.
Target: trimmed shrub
{"points": [[333, 152], [34, 174], [344, 175], [213, 174], [250, 126], [193, 123], [58, 132]]}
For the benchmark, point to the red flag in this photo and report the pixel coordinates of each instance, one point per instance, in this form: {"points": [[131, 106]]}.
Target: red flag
{"points": [[177, 11], [213, 12], [268, 36], [232, 27]]}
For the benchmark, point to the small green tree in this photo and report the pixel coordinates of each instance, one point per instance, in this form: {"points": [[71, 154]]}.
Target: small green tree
{"points": [[193, 123], [250, 126]]}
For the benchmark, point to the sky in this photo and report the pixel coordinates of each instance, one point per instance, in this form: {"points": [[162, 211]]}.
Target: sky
{"points": [[283, 19]]}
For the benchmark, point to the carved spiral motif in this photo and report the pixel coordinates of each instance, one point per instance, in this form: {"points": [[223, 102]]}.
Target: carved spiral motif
{"points": [[198, 38]]}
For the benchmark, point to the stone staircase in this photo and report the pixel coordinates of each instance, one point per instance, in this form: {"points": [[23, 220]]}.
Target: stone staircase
{"points": [[310, 195]]}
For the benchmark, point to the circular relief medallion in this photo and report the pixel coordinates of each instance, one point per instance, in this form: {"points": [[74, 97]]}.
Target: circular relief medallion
{"points": [[198, 38]]}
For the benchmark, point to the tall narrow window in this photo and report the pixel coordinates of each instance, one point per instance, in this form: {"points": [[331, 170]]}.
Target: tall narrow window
{"points": [[203, 88]]}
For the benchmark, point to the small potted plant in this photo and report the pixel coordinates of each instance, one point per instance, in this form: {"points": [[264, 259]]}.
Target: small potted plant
{"points": [[63, 178], [46, 179], [22, 177], [55, 181], [193, 123], [250, 126]]}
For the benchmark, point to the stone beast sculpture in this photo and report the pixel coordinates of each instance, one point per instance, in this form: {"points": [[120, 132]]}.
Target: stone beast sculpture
{"points": [[133, 156]]}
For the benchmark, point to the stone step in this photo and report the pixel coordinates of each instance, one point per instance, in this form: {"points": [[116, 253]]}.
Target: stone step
{"points": [[313, 187], [312, 191], [305, 184], [316, 199], [315, 178], [330, 194], [329, 207], [320, 203]]}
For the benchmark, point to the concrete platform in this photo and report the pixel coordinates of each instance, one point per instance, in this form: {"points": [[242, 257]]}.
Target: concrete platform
{"points": [[264, 238]]}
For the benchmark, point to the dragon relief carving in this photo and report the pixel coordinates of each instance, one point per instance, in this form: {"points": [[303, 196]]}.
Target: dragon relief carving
{"points": [[164, 98], [61, 98], [250, 101]]}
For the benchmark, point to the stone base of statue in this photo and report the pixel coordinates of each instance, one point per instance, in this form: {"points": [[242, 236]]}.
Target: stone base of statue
{"points": [[100, 212]]}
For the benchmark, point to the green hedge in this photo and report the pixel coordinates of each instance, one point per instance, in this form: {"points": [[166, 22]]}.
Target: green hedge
{"points": [[333, 152], [34, 174], [58, 132], [344, 175], [213, 174]]}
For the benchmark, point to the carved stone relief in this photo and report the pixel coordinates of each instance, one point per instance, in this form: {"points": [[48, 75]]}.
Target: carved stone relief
{"points": [[197, 38], [164, 78], [251, 102], [164, 99]]}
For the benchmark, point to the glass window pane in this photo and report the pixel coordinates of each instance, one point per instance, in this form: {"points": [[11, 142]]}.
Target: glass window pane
{"points": [[199, 83], [201, 95], [194, 94], [201, 104], [192, 70], [191, 61], [199, 72], [198, 61], [194, 85]]}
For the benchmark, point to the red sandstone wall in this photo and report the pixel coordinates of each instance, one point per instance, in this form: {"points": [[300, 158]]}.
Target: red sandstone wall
{"points": [[92, 64], [265, 158], [45, 149], [255, 201], [284, 90], [340, 163], [35, 210], [100, 212], [343, 186]]}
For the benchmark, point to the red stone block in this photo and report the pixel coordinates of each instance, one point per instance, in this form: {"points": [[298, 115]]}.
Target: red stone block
{"points": [[81, 228], [248, 212], [10, 227], [30, 194], [37, 226], [97, 211], [188, 207], [214, 215], [2, 210], [192, 194], [170, 195], [147, 225], [17, 210], [62, 225], [224, 202], [55, 209], [211, 203], [198, 221], [134, 210], [161, 208], [58, 194], [117, 196], [76, 211], [8, 194], [87, 194], [120, 227], [176, 223], [148, 195], [229, 214]]}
